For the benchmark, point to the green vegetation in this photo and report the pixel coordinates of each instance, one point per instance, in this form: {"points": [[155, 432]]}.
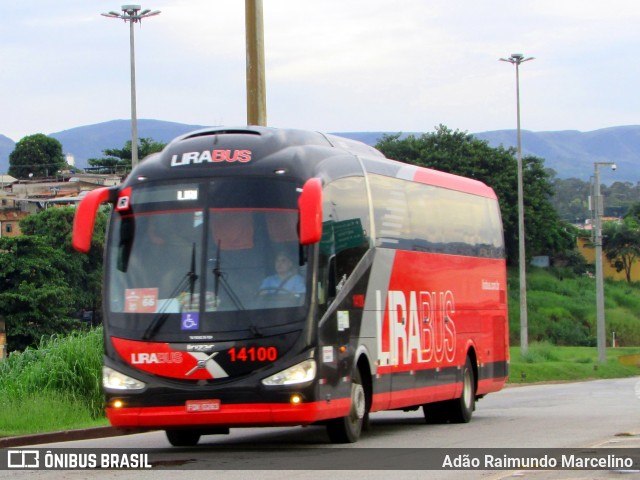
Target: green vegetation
{"points": [[55, 386], [36, 155], [621, 242], [44, 412], [119, 159], [571, 198], [561, 309], [44, 283], [545, 362]]}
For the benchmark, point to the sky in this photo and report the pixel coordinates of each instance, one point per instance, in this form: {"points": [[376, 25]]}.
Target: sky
{"points": [[331, 65]]}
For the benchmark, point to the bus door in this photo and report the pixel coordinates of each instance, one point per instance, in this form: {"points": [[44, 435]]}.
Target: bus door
{"points": [[342, 277]]}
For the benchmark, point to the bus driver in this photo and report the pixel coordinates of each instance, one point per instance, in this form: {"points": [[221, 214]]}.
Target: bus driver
{"points": [[286, 280]]}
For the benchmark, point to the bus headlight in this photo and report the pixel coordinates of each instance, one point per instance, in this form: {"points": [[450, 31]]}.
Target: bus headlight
{"points": [[114, 380], [301, 373]]}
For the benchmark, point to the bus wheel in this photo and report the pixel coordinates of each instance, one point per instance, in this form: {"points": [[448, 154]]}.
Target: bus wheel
{"points": [[461, 409], [347, 429], [183, 438], [458, 410]]}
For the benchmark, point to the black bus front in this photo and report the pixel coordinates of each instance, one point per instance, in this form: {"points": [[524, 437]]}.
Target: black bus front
{"points": [[208, 313]]}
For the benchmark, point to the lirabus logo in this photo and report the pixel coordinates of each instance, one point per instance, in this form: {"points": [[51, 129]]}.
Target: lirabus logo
{"points": [[415, 327]]}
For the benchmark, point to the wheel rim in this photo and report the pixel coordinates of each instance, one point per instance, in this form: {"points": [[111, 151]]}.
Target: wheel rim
{"points": [[467, 389], [358, 403]]}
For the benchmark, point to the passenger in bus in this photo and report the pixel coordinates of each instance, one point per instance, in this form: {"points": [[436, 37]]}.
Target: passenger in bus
{"points": [[286, 280]]}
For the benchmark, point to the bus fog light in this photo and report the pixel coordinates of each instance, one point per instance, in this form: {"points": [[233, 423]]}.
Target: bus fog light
{"points": [[114, 380], [296, 400], [301, 373]]}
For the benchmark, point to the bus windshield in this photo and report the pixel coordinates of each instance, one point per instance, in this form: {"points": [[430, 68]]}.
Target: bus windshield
{"points": [[203, 257]]}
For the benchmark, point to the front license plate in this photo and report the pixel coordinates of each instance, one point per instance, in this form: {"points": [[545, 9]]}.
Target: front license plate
{"points": [[196, 406]]}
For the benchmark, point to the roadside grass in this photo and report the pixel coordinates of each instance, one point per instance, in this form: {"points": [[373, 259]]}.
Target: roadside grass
{"points": [[561, 309], [545, 362], [44, 412], [56, 386]]}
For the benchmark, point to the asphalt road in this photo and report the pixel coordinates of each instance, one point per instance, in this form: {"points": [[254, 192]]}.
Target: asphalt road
{"points": [[602, 413]]}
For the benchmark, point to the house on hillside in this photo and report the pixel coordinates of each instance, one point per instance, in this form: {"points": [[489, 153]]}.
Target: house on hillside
{"points": [[32, 196], [96, 179], [10, 223], [6, 181]]}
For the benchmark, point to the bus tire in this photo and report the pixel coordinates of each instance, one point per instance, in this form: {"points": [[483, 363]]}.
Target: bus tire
{"points": [[347, 429], [458, 410], [435, 413], [461, 409], [183, 438]]}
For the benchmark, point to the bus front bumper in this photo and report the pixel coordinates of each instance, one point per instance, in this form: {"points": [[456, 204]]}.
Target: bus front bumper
{"points": [[229, 415]]}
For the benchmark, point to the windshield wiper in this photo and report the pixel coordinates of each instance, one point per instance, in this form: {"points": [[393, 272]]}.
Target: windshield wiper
{"points": [[218, 279], [192, 275], [189, 279]]}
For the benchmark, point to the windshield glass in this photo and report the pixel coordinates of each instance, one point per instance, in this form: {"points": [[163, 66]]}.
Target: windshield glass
{"points": [[203, 257]]}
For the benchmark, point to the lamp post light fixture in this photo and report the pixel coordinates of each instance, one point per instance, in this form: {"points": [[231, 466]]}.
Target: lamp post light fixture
{"points": [[598, 212], [132, 14], [516, 59]]}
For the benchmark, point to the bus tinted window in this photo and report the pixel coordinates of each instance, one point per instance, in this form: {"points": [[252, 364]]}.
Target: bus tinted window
{"points": [[415, 216], [154, 253], [214, 250], [345, 231]]}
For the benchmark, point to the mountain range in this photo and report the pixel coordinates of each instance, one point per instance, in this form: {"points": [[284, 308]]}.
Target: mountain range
{"points": [[571, 153]]}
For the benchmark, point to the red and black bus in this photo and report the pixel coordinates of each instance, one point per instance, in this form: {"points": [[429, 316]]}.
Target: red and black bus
{"points": [[394, 295]]}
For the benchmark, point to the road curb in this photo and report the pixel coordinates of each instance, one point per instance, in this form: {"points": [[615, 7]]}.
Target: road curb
{"points": [[63, 436]]}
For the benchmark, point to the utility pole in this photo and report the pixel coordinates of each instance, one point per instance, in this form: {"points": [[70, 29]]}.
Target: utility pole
{"points": [[601, 335], [256, 89]]}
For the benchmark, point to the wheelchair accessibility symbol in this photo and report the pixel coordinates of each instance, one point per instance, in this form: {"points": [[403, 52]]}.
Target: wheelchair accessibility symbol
{"points": [[190, 321]]}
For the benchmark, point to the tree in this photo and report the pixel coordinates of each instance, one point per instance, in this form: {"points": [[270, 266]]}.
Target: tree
{"points": [[118, 159], [621, 241], [462, 154], [83, 273], [34, 297], [43, 282], [632, 217], [571, 199], [545, 233], [38, 155], [619, 196]]}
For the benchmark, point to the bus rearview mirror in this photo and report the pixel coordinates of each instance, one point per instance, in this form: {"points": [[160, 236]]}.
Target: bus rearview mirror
{"points": [[85, 218], [310, 206]]}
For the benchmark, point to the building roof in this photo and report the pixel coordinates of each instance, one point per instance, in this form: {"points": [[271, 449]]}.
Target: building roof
{"points": [[12, 216], [7, 179]]}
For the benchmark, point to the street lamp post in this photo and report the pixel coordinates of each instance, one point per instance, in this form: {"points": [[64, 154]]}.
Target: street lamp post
{"points": [[132, 14], [598, 210], [516, 59]]}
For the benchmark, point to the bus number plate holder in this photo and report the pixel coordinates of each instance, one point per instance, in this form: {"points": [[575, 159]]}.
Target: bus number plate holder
{"points": [[199, 406]]}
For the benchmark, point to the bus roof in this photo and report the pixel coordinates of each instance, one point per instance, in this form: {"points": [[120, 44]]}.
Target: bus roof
{"points": [[238, 146], [280, 137]]}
